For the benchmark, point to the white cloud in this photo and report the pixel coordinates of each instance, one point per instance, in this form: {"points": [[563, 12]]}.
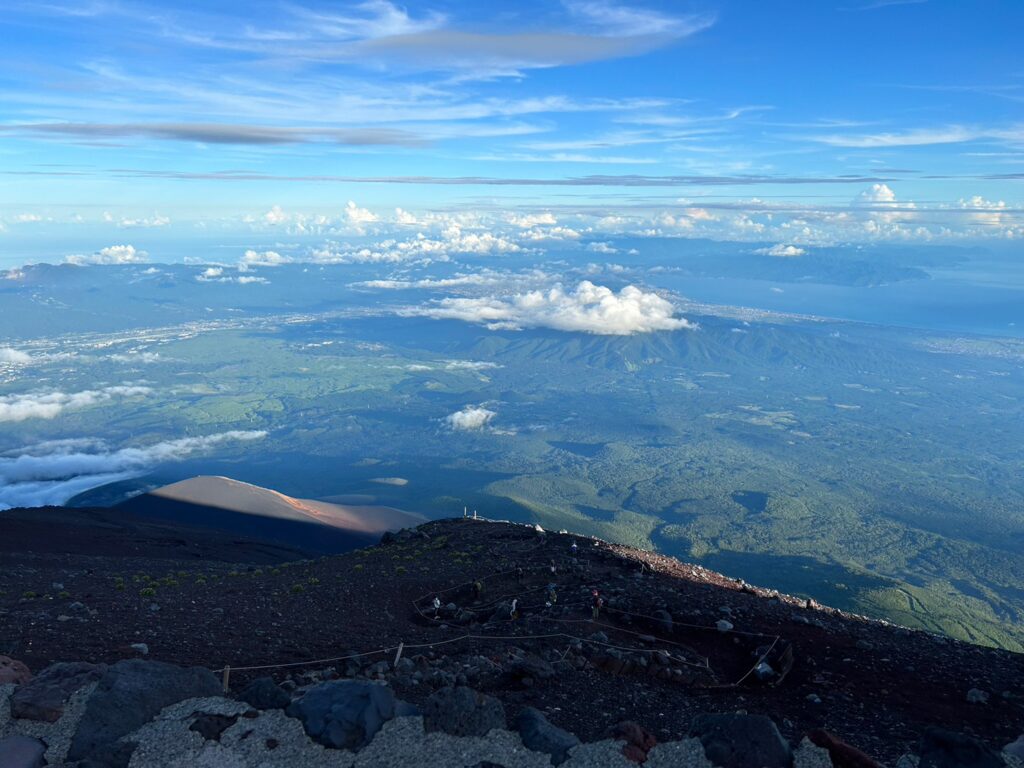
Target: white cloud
{"points": [[146, 358], [986, 212], [588, 308], [405, 219], [144, 223], [606, 248], [781, 251], [53, 472], [531, 220], [276, 216], [359, 216], [253, 258], [9, 355], [469, 418], [113, 254], [49, 405]]}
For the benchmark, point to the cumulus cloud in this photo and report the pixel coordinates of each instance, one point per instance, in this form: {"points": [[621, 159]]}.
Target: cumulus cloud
{"points": [[531, 220], [53, 472], [606, 248], [112, 254], [359, 216], [469, 418], [782, 251], [139, 223], [588, 308], [49, 405], [253, 258], [10, 355]]}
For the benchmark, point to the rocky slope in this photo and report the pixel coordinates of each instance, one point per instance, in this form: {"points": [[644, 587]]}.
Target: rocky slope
{"points": [[673, 644]]}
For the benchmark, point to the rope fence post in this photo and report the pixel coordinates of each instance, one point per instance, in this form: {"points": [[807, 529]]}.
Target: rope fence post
{"points": [[227, 678], [398, 654]]}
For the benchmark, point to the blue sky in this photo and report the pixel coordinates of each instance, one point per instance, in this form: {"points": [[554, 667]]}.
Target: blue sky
{"points": [[793, 122]]}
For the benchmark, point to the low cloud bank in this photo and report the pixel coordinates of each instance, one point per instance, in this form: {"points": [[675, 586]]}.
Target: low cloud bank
{"points": [[9, 355], [588, 308], [52, 473], [48, 405], [469, 418]]}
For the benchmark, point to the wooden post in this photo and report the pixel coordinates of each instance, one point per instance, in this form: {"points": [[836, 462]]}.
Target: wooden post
{"points": [[227, 679], [398, 655]]}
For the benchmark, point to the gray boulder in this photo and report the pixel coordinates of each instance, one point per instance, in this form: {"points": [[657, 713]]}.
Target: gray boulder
{"points": [[945, 749], [346, 714], [19, 751], [263, 693], [43, 698], [1015, 748], [129, 695], [742, 741], [540, 735], [462, 711]]}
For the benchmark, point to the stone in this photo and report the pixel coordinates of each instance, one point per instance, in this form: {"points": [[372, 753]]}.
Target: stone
{"points": [[129, 694], [723, 625], [17, 751], [263, 693], [141, 648], [639, 741], [13, 671], [210, 725], [808, 755], [742, 741], [977, 696], [945, 749], [461, 711], [347, 714], [1015, 748], [841, 753], [664, 619], [540, 735], [43, 698], [532, 666]]}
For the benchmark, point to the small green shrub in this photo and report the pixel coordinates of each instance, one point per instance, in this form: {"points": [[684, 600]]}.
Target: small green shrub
{"points": [[297, 588], [313, 580], [357, 567], [64, 595], [400, 570], [29, 595], [147, 591]]}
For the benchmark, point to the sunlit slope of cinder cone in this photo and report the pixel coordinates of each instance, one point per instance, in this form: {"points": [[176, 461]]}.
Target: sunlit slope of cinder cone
{"points": [[230, 505]]}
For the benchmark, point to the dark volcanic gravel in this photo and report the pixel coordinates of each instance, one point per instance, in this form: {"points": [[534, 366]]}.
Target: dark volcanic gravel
{"points": [[879, 685]]}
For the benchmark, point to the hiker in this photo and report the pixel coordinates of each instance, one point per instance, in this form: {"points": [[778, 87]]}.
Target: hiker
{"points": [[553, 568], [437, 606], [552, 595], [520, 573], [574, 551], [513, 613], [478, 589], [596, 603]]}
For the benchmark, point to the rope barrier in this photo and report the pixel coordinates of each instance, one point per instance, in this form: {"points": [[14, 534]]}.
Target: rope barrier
{"points": [[401, 647]]}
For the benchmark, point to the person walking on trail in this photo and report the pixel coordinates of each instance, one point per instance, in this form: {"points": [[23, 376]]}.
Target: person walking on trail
{"points": [[553, 567], [520, 573], [513, 612], [596, 603], [574, 550], [437, 606], [478, 589], [552, 595]]}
